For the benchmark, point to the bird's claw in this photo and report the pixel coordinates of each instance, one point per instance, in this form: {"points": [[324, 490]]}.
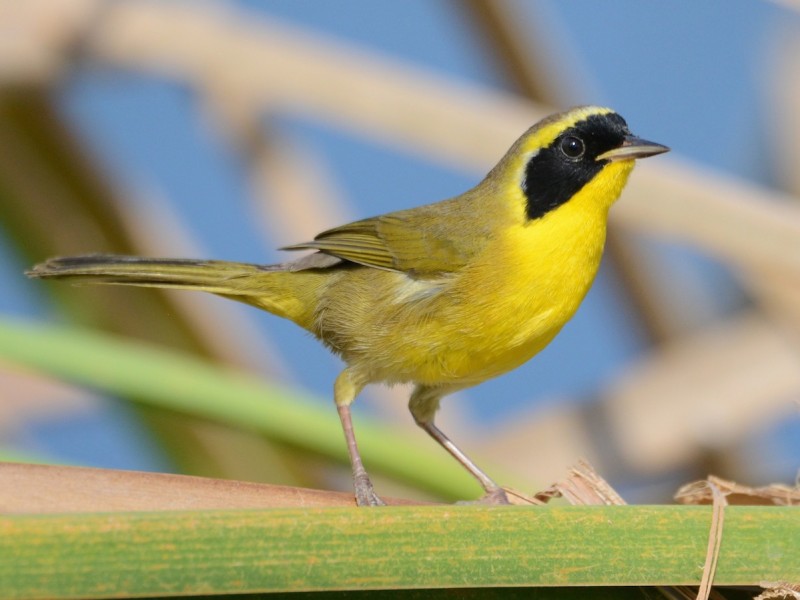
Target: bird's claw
{"points": [[493, 497], [365, 494]]}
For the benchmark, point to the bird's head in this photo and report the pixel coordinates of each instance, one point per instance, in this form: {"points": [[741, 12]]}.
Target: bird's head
{"points": [[556, 159]]}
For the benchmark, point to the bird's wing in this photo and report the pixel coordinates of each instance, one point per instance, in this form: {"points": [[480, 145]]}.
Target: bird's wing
{"points": [[407, 241]]}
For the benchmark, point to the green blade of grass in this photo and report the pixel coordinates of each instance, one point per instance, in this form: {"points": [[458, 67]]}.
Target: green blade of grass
{"points": [[178, 382], [165, 553]]}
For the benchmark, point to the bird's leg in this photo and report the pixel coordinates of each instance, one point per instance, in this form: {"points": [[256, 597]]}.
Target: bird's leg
{"points": [[423, 405], [494, 493], [345, 391], [365, 494]]}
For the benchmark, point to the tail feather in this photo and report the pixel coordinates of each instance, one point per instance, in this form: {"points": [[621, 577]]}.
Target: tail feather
{"points": [[273, 288], [218, 277]]}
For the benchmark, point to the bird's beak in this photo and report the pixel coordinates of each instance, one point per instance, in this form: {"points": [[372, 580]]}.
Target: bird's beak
{"points": [[631, 148]]}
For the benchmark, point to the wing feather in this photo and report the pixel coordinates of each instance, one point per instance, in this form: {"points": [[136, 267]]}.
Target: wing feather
{"points": [[426, 241]]}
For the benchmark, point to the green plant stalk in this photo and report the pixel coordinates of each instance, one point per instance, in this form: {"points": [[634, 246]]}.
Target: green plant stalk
{"points": [[178, 382], [165, 553]]}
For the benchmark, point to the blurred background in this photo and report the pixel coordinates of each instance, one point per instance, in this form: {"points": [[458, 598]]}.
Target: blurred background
{"points": [[226, 129]]}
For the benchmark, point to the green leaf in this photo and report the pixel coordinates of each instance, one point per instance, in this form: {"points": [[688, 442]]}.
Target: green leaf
{"points": [[248, 551]]}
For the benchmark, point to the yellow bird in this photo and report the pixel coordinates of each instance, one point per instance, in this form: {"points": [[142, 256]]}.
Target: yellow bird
{"points": [[445, 295]]}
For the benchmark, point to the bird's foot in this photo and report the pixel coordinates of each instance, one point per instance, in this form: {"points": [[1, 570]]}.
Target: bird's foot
{"points": [[365, 494], [493, 497]]}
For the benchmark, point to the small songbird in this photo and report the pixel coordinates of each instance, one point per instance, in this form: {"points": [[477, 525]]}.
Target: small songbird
{"points": [[445, 295]]}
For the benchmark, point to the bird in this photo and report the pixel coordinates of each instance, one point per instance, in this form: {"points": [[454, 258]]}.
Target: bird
{"points": [[444, 295]]}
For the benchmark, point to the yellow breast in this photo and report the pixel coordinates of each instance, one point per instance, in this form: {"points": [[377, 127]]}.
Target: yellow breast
{"points": [[510, 303]]}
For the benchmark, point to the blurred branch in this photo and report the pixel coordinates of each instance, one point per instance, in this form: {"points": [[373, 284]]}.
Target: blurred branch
{"points": [[28, 397], [784, 120], [286, 69], [780, 296], [733, 378], [744, 225], [292, 187], [38, 37], [519, 53]]}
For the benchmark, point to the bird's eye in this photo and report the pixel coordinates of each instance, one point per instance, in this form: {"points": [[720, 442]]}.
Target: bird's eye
{"points": [[572, 147]]}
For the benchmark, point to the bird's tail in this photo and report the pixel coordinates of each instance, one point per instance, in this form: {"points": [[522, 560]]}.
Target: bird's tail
{"points": [[287, 294]]}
